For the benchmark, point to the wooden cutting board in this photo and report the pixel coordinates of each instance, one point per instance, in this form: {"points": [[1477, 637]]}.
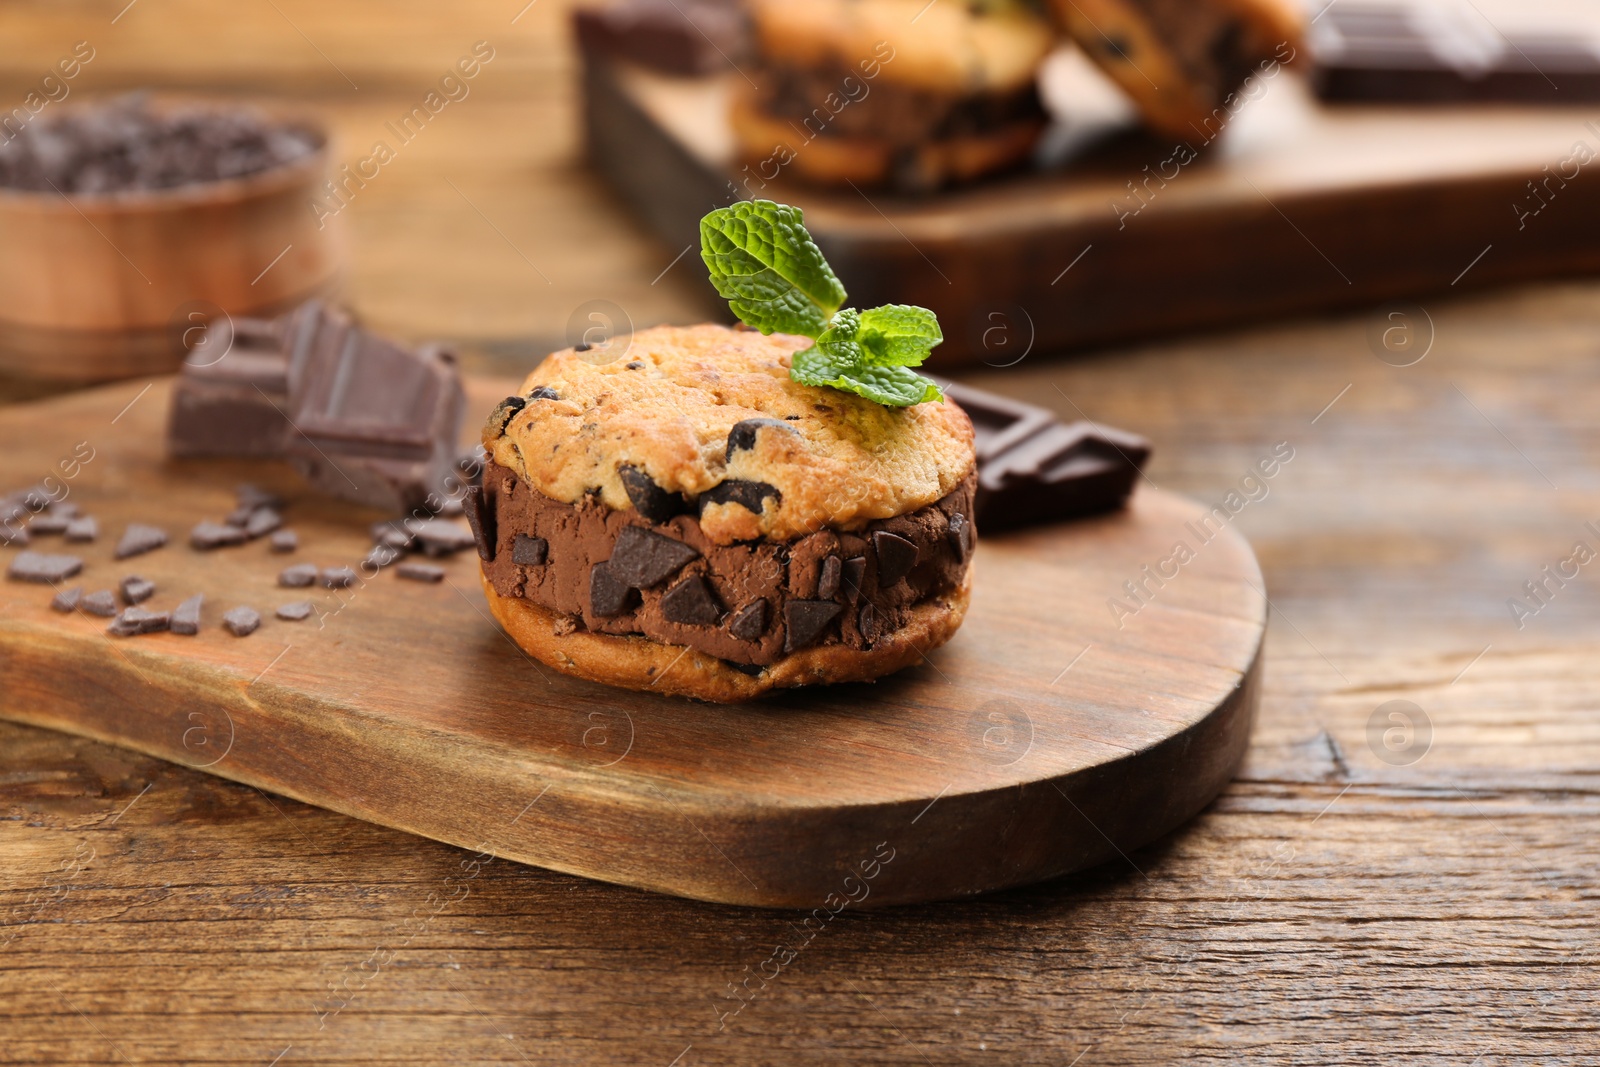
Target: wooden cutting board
{"points": [[1044, 738], [1117, 235]]}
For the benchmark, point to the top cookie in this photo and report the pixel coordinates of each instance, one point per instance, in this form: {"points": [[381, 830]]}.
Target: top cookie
{"points": [[950, 48], [708, 416]]}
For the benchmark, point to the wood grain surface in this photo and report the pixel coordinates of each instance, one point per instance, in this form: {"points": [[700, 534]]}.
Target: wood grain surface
{"points": [[1331, 908], [1049, 735]]}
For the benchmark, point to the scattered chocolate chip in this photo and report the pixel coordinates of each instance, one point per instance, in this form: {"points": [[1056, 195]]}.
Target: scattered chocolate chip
{"points": [[208, 535], [285, 541], [828, 578], [138, 539], [896, 557], [296, 612], [252, 497], [420, 572], [339, 577], [83, 528], [441, 537], [750, 621], [101, 603], [381, 556], [186, 616], [752, 669], [239, 516], [641, 558], [530, 551], [48, 523], [136, 621], [263, 522], [634, 364], [748, 495], [855, 571], [384, 533], [67, 599], [544, 392], [961, 536], [743, 434], [242, 621], [136, 590], [13, 535], [652, 501], [38, 567], [805, 620], [867, 622], [691, 603], [480, 516], [299, 576], [607, 595]]}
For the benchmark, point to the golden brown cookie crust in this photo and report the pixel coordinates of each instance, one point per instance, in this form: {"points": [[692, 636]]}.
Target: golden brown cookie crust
{"points": [[667, 404], [642, 664], [942, 47], [1170, 100], [833, 160]]}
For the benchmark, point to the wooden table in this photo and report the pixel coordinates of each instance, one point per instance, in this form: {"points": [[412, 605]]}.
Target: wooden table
{"points": [[1343, 902]]}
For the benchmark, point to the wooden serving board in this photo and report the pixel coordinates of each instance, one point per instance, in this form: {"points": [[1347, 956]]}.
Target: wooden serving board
{"points": [[1044, 738], [1298, 206]]}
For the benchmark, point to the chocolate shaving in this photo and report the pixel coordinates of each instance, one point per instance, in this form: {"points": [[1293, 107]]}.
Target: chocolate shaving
{"points": [[209, 535], [642, 559], [420, 572], [805, 620], [38, 567], [102, 603], [691, 603], [136, 590], [242, 621], [186, 616], [136, 621], [299, 576], [138, 539]]}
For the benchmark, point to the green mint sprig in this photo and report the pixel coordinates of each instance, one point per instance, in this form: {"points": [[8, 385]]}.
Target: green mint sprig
{"points": [[765, 264]]}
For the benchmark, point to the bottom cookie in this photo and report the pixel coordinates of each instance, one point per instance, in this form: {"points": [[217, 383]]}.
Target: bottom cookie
{"points": [[650, 666]]}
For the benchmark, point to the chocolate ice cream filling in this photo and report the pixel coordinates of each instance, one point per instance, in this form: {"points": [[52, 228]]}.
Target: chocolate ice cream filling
{"points": [[750, 603]]}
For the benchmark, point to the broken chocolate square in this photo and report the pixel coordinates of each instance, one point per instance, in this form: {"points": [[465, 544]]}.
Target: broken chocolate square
{"points": [[67, 599], [208, 535], [691, 603], [420, 572], [296, 612], [805, 620], [608, 595], [642, 558], [299, 576], [750, 622], [529, 551], [241, 621], [102, 603], [136, 590], [136, 621]]}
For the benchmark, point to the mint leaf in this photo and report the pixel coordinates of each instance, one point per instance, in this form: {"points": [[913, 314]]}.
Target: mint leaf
{"points": [[897, 387], [838, 341], [764, 263], [897, 335]]}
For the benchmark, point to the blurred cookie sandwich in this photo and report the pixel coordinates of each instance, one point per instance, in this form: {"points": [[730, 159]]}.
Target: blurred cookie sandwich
{"points": [[901, 93]]}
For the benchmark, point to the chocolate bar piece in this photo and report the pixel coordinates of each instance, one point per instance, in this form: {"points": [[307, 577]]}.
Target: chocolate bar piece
{"points": [[686, 37], [1407, 50], [1032, 468], [360, 417]]}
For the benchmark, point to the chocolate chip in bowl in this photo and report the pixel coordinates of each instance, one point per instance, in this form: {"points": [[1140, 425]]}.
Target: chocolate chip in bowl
{"points": [[137, 225]]}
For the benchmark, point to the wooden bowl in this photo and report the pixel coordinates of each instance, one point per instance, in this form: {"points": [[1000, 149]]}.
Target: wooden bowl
{"points": [[96, 286]]}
